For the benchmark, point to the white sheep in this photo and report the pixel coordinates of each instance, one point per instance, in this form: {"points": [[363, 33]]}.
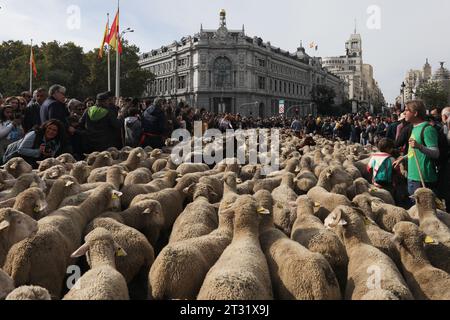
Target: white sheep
{"points": [[102, 281], [29, 293], [241, 273]]}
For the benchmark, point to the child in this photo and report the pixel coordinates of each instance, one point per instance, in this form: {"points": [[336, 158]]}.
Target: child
{"points": [[381, 165]]}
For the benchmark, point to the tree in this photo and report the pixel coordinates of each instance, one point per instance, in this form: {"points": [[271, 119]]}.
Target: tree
{"points": [[323, 96], [433, 94], [83, 74]]}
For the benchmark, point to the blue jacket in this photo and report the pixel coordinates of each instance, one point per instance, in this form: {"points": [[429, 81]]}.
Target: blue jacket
{"points": [[53, 109]]}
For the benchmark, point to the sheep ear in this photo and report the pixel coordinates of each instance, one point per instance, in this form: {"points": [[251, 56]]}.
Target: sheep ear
{"points": [[13, 166], [69, 183], [81, 251], [4, 225], [440, 204], [342, 222], [148, 210]]}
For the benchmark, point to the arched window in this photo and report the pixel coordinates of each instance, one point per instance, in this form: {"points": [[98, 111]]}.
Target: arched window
{"points": [[222, 72]]}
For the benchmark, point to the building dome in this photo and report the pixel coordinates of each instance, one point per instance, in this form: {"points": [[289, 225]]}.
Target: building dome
{"points": [[441, 74]]}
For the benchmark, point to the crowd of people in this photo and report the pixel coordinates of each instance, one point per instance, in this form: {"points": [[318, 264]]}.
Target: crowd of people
{"points": [[47, 124]]}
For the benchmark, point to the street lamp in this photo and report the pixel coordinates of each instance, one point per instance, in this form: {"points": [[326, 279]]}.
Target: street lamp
{"points": [[402, 91]]}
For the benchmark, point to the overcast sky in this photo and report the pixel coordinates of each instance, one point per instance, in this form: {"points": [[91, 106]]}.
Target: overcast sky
{"points": [[406, 33]]}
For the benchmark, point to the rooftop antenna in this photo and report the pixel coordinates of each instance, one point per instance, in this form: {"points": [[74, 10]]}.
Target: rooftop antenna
{"points": [[355, 26]]}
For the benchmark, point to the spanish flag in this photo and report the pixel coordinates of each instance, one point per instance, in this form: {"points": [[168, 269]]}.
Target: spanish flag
{"points": [[113, 38], [105, 40], [33, 63]]}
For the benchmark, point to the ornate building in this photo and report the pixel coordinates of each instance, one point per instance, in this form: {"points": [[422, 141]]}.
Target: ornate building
{"points": [[224, 70], [362, 88]]}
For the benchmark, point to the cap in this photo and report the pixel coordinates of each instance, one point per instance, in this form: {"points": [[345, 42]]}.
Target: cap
{"points": [[104, 96]]}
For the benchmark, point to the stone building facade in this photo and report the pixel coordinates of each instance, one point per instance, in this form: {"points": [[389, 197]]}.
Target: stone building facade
{"points": [[224, 70], [363, 89]]}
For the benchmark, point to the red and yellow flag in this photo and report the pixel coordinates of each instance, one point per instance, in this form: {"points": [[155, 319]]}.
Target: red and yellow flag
{"points": [[33, 63], [105, 40], [113, 38]]}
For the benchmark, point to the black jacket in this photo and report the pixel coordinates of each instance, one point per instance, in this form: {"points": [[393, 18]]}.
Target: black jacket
{"points": [[154, 120], [100, 131], [32, 116], [53, 109]]}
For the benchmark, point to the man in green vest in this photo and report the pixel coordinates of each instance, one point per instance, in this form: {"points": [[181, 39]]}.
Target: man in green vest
{"points": [[422, 153]]}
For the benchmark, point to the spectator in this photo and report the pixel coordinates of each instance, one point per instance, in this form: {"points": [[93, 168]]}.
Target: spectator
{"points": [[133, 128], [32, 115], [381, 165], [421, 154], [89, 102], [55, 108], [153, 126], [99, 123], [75, 107], [296, 126], [27, 96], [46, 142], [10, 129], [392, 128], [444, 175], [13, 102]]}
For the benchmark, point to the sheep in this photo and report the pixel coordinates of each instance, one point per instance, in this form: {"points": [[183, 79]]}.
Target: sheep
{"points": [[296, 272], [186, 168], [199, 217], [134, 159], [159, 165], [309, 231], [6, 285], [283, 217], [248, 172], [15, 226], [98, 175], [65, 186], [46, 164], [379, 295], [22, 183], [241, 273], [59, 234], [146, 217], [441, 214], [81, 171], [361, 186], [35, 293], [364, 259], [54, 172], [424, 280], [90, 158], [306, 180], [138, 176], [438, 254], [131, 191], [380, 239], [116, 176], [31, 202], [102, 281], [216, 185], [180, 268], [18, 167], [335, 180], [246, 187], [66, 158], [291, 167], [268, 184], [325, 201], [140, 255], [387, 215], [103, 159]]}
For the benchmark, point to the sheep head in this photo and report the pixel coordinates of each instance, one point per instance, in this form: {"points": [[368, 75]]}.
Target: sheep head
{"points": [[17, 225], [100, 239], [408, 236]]}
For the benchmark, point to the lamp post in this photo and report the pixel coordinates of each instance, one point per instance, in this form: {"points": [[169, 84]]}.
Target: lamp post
{"points": [[402, 91]]}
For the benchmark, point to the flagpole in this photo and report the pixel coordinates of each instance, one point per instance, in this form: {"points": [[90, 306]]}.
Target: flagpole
{"points": [[109, 61], [31, 68], [118, 55]]}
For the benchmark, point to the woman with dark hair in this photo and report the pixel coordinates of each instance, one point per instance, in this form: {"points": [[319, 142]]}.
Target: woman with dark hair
{"points": [[46, 142]]}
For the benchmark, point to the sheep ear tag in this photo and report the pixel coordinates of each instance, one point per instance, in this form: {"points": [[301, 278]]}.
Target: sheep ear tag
{"points": [[430, 240], [116, 195], [121, 253], [36, 209], [367, 222], [263, 211]]}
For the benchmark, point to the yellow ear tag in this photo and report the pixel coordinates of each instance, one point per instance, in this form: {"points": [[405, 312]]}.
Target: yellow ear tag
{"points": [[263, 211], [37, 209], [115, 197], [316, 205], [121, 253], [367, 222], [429, 240]]}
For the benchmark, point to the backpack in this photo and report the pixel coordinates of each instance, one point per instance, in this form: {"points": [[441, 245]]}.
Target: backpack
{"points": [[442, 145]]}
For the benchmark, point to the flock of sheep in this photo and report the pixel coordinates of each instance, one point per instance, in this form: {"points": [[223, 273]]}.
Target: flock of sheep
{"points": [[149, 229]]}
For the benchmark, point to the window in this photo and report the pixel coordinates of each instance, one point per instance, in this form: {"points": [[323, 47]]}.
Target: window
{"points": [[262, 83], [181, 82], [261, 63], [222, 72]]}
